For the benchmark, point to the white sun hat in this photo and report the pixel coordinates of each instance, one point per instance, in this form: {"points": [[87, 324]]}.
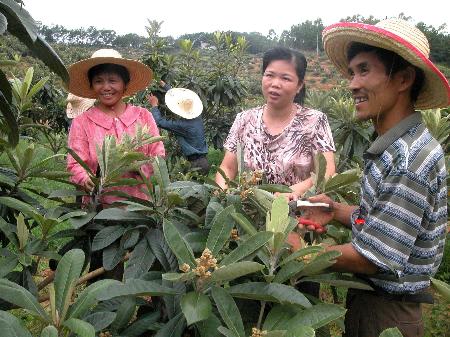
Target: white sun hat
{"points": [[184, 103]]}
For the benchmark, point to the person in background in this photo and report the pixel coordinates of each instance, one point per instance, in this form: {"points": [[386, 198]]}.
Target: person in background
{"points": [[189, 128], [108, 77], [281, 137], [399, 227], [76, 106]]}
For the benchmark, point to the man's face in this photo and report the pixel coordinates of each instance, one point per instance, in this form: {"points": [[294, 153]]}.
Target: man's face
{"points": [[374, 92]]}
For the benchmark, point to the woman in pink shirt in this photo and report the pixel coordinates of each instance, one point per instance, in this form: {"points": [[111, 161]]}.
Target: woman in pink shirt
{"points": [[108, 77]]}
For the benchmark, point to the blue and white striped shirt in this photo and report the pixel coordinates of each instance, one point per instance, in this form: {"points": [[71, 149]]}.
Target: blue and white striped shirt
{"points": [[404, 207]]}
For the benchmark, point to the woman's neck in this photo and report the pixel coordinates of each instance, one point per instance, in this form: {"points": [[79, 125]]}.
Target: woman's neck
{"points": [[114, 110], [276, 120]]}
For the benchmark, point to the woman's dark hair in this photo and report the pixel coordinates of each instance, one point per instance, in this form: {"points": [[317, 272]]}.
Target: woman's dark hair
{"points": [[297, 58], [392, 62], [109, 68]]}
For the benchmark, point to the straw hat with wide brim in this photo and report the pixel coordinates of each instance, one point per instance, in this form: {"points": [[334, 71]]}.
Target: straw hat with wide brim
{"points": [[395, 35], [140, 74], [184, 103], [77, 105]]}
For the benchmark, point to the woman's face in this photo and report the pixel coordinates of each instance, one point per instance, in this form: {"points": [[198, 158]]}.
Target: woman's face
{"points": [[109, 88], [280, 83]]}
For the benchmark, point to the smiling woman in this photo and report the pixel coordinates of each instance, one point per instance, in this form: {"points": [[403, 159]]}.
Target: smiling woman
{"points": [[108, 77]]}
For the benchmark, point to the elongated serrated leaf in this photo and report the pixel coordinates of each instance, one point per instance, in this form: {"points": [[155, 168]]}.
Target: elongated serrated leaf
{"points": [[196, 240], [288, 271], [10, 231], [7, 265], [302, 252], [226, 332], [4, 82], [11, 326], [273, 188], [211, 210], [140, 261], [68, 271], [100, 320], [135, 287], [317, 316], [160, 172], [22, 231], [81, 328], [162, 250], [142, 324], [340, 181], [235, 270], [300, 330], [176, 242], [279, 215], [272, 292], [107, 236], [49, 331], [391, 332], [319, 263], [88, 298], [112, 255], [178, 277], [442, 287], [339, 280], [221, 227], [196, 307], [244, 223], [173, 328], [249, 246], [279, 315], [11, 127], [124, 312], [228, 311], [208, 327], [119, 214], [79, 221], [22, 207]]}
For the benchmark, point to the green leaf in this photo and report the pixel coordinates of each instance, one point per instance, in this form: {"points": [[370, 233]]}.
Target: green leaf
{"points": [[143, 324], [272, 292], [17, 295], [68, 271], [22, 207], [235, 270], [79, 327], [7, 265], [22, 231], [300, 330], [173, 328], [124, 313], [178, 277], [302, 252], [178, 245], [160, 172], [112, 255], [317, 316], [107, 236], [228, 311], [319, 263], [100, 320], [49, 331], [226, 332], [249, 246], [120, 214], [11, 127], [9, 231], [162, 250], [140, 261], [211, 210], [88, 298], [135, 287], [244, 223], [441, 287], [339, 280], [4, 82], [11, 326], [80, 221], [273, 188], [339, 181], [208, 327], [278, 216], [196, 307], [391, 332], [220, 232], [288, 271], [279, 315], [196, 240]]}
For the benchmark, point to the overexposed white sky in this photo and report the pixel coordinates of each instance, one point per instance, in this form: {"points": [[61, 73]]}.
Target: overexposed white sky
{"points": [[184, 16]]}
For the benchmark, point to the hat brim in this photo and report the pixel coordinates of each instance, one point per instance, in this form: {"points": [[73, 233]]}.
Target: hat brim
{"points": [[140, 75], [174, 98], [337, 38]]}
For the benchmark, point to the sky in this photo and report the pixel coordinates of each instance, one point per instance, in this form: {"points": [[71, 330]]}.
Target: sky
{"points": [[184, 16]]}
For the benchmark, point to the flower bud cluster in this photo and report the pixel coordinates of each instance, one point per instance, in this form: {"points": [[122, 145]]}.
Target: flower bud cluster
{"points": [[234, 234], [185, 268], [204, 264], [105, 334], [258, 333]]}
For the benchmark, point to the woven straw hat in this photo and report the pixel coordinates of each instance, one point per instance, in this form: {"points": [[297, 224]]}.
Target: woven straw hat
{"points": [[140, 74], [184, 103], [77, 105], [395, 35]]}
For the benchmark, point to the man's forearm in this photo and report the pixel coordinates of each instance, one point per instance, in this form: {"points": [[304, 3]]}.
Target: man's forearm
{"points": [[343, 212]]}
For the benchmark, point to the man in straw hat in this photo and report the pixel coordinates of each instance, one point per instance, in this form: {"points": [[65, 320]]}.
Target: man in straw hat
{"points": [[189, 128], [399, 226]]}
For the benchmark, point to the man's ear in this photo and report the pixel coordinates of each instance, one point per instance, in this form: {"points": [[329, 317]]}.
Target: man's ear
{"points": [[407, 78]]}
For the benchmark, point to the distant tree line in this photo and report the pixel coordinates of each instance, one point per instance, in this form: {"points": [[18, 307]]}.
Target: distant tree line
{"points": [[304, 36]]}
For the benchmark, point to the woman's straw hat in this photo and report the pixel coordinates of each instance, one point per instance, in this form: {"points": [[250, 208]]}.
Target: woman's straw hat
{"points": [[395, 35], [77, 105], [184, 103], [140, 74]]}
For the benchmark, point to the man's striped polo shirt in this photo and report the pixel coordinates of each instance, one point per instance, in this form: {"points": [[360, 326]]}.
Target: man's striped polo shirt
{"points": [[403, 207]]}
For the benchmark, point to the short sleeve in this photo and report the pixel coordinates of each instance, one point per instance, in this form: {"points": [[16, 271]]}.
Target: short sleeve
{"points": [[234, 135], [323, 138], [394, 222]]}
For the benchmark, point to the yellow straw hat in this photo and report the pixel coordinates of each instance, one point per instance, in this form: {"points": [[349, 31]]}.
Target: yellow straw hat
{"points": [[140, 74], [395, 35], [77, 105]]}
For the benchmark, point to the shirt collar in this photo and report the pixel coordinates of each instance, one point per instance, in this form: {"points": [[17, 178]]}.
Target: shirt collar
{"points": [[384, 141], [128, 117]]}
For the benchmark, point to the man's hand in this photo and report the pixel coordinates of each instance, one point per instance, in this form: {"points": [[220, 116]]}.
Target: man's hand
{"points": [[320, 215], [152, 100]]}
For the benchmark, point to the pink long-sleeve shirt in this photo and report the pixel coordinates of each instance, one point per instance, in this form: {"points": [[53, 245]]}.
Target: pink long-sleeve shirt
{"points": [[89, 130]]}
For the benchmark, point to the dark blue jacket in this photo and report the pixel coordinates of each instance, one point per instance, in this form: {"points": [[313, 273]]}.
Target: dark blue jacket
{"points": [[190, 133]]}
